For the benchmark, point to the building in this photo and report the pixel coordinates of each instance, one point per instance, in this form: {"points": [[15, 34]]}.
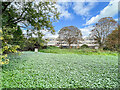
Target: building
{"points": [[90, 42], [52, 41]]}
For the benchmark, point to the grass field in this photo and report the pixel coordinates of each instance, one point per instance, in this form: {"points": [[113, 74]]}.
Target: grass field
{"points": [[47, 70], [85, 51]]}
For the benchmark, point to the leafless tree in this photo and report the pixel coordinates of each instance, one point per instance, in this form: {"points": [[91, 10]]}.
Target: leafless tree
{"points": [[102, 29], [70, 35]]}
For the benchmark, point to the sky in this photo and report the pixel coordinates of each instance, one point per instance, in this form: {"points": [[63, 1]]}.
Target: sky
{"points": [[83, 14]]}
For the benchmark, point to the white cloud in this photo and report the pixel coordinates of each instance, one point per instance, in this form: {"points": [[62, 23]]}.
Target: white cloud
{"points": [[24, 31], [63, 9], [81, 8], [116, 19], [61, 6], [45, 32], [108, 11], [49, 35], [86, 30], [80, 0]]}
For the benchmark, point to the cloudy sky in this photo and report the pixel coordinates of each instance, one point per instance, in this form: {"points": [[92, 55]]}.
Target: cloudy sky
{"points": [[84, 14]]}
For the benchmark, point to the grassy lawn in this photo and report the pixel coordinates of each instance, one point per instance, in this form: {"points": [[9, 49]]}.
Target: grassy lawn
{"points": [[85, 51], [49, 70]]}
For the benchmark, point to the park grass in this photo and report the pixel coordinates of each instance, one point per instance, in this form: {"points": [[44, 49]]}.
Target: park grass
{"points": [[85, 51], [49, 70]]}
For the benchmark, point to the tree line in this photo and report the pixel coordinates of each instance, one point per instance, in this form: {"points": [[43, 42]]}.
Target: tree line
{"points": [[105, 32]]}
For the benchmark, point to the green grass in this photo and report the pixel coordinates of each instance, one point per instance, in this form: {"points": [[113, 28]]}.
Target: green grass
{"points": [[46, 70], [85, 51]]}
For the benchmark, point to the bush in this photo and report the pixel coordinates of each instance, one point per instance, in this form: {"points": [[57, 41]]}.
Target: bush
{"points": [[106, 48], [6, 48], [84, 46], [52, 47]]}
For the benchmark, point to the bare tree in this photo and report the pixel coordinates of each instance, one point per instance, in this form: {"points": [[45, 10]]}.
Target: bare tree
{"points": [[102, 29], [70, 35]]}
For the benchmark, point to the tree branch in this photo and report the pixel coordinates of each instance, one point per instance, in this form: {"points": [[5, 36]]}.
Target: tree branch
{"points": [[5, 5]]}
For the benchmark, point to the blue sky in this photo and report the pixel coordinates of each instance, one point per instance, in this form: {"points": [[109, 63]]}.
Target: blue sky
{"points": [[83, 14], [77, 19]]}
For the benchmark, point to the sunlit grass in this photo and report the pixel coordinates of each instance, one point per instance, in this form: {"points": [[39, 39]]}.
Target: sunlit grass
{"points": [[85, 51]]}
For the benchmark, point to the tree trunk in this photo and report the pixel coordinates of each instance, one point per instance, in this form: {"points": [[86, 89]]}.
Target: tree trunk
{"points": [[69, 45], [61, 45], [100, 46]]}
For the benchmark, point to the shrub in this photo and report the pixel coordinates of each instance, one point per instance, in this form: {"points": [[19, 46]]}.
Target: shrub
{"points": [[106, 48], [84, 46], [6, 48], [52, 47]]}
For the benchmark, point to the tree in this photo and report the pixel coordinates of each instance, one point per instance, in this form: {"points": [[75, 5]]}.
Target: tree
{"points": [[112, 40], [5, 47], [84, 46], [18, 38], [35, 15], [102, 29], [30, 15], [26, 14], [7, 36], [32, 42], [70, 35]]}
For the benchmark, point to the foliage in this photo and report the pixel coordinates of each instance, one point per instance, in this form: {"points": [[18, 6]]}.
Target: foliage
{"points": [[10, 49], [7, 34], [2, 57], [8, 39], [84, 46], [6, 48], [18, 38], [112, 40], [69, 35], [102, 29], [35, 16], [31, 70], [25, 14], [30, 14], [33, 42], [12, 36], [52, 47]]}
